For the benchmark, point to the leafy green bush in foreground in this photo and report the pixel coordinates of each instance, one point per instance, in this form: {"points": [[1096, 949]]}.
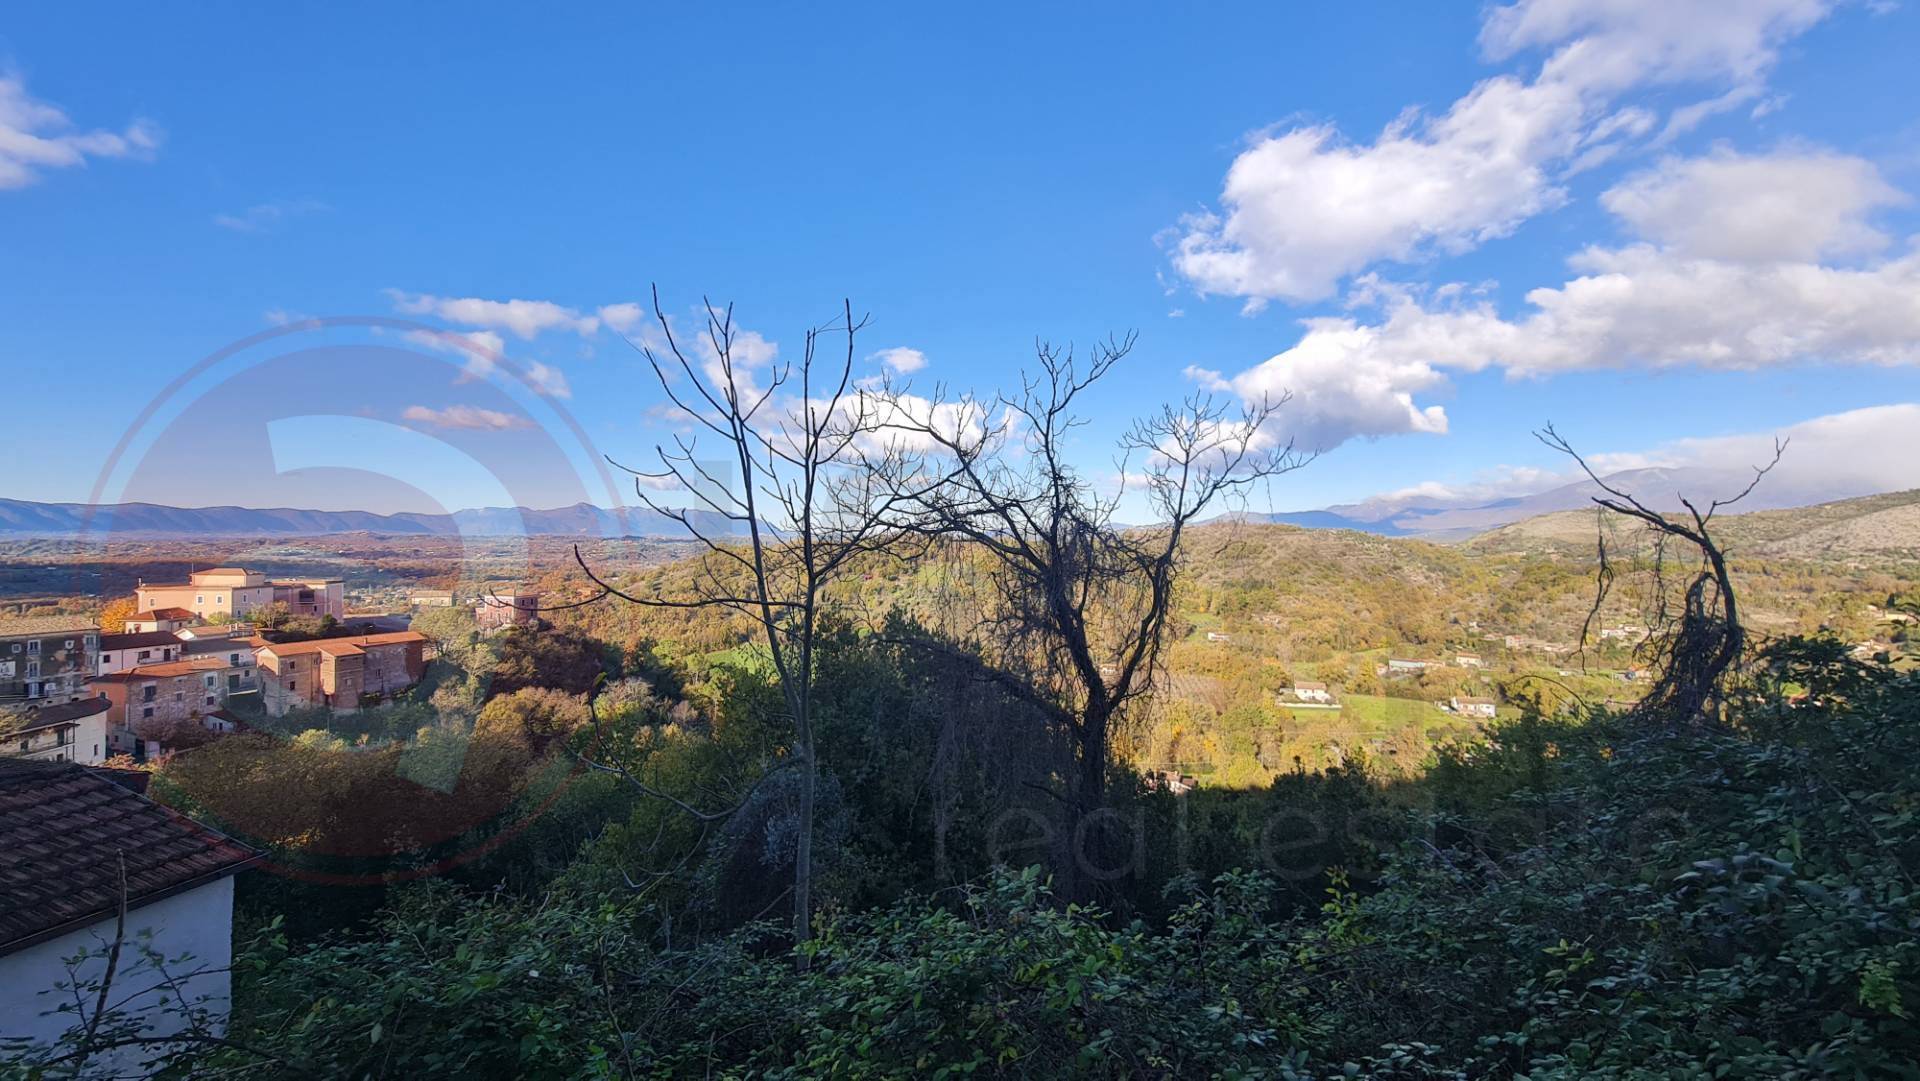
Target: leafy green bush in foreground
{"points": [[1606, 899]]}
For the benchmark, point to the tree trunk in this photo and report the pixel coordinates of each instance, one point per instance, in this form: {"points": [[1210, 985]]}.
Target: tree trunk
{"points": [[1092, 848], [803, 847]]}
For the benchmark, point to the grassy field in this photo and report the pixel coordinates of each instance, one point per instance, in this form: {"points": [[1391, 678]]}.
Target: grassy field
{"points": [[1367, 718]]}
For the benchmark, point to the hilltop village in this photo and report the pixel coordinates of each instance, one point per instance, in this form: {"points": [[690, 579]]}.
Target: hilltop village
{"points": [[201, 656]]}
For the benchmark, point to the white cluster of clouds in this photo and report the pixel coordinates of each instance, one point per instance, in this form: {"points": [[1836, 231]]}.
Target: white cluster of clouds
{"points": [[483, 348], [482, 345], [900, 360], [909, 422], [466, 418], [1726, 260], [36, 137], [1876, 449], [1722, 273], [526, 319], [1304, 208], [482, 321]]}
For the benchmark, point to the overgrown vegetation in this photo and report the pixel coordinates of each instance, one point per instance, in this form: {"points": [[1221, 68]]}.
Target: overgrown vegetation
{"points": [[1562, 898]]}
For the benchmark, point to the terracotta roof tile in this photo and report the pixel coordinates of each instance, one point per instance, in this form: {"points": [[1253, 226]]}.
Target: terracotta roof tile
{"points": [[17, 626], [63, 831], [164, 670], [342, 646]]}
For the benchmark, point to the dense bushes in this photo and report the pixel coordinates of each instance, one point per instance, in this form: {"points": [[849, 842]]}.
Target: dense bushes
{"points": [[1563, 899]]}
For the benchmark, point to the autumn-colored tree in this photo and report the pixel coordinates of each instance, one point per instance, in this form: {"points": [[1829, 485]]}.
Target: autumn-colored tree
{"points": [[113, 618]]}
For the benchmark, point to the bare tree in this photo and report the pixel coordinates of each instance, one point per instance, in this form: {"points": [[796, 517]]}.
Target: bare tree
{"points": [[1694, 647], [1080, 603], [779, 509]]}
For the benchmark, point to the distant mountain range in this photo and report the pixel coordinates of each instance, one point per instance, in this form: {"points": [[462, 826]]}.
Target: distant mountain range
{"points": [[1439, 518], [23, 518], [1429, 517]]}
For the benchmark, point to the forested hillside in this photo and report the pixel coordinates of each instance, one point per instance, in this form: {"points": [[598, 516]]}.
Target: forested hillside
{"points": [[569, 852], [1334, 606]]}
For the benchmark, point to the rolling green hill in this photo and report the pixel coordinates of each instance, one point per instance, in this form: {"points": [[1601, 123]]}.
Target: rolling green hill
{"points": [[1875, 528]]}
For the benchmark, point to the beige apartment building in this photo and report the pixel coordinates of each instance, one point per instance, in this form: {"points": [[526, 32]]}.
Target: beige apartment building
{"points": [[231, 592]]}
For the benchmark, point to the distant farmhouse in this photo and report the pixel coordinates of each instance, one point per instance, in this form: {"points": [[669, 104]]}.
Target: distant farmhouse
{"points": [[1307, 694], [506, 607], [1484, 708]]}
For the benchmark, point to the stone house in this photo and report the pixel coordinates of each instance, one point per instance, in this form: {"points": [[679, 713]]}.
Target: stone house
{"points": [[338, 672], [154, 697]]}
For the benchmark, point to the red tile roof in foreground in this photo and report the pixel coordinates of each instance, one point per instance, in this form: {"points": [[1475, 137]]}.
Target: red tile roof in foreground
{"points": [[63, 832], [163, 613]]}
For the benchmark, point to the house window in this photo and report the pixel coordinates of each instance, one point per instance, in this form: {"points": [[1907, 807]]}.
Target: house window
{"points": [[106, 658], [33, 646], [146, 654], [146, 693], [209, 680], [199, 600], [293, 685], [233, 659], [147, 712], [90, 641], [209, 700], [233, 683], [219, 600], [33, 669], [69, 644]]}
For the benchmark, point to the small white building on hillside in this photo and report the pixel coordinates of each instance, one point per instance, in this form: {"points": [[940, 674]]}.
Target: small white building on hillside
{"points": [[67, 836], [1483, 708]]}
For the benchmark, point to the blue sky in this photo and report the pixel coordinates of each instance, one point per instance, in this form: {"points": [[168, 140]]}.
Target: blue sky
{"points": [[1667, 227]]}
